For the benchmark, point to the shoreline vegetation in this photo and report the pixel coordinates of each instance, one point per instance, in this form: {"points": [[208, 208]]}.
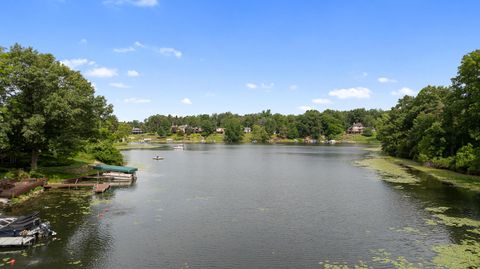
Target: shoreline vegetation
{"points": [[153, 141], [404, 171]]}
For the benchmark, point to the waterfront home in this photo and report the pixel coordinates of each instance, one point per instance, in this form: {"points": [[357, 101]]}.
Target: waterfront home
{"points": [[220, 130], [136, 130], [356, 128], [247, 130]]}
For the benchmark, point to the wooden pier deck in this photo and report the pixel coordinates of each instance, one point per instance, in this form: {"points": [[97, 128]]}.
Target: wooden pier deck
{"points": [[97, 187], [16, 241], [101, 187]]}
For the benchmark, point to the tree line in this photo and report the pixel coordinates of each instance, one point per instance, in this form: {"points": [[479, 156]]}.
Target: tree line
{"points": [[441, 125], [313, 124]]}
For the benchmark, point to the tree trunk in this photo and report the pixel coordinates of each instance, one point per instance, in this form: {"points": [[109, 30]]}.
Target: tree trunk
{"points": [[35, 154]]}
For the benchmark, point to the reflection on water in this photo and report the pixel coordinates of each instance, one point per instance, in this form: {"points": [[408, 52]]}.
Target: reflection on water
{"points": [[245, 207]]}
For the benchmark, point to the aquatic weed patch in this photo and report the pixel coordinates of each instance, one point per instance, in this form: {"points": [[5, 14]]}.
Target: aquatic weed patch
{"points": [[466, 254], [463, 255], [388, 170], [440, 209]]}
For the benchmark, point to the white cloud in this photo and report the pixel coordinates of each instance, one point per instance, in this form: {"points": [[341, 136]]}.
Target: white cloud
{"points": [[293, 87], [169, 52], [124, 50], [305, 108], [138, 3], [404, 91], [83, 41], [145, 3], [132, 73], [251, 85], [386, 80], [165, 51], [102, 72], [321, 101], [135, 100], [357, 92], [186, 101], [74, 63], [119, 85], [138, 44]]}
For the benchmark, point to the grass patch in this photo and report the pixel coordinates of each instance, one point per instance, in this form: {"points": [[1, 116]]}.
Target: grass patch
{"points": [[214, 138], [359, 139]]}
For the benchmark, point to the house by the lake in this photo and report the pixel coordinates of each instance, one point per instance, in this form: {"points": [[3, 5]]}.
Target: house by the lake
{"points": [[137, 131], [356, 128]]}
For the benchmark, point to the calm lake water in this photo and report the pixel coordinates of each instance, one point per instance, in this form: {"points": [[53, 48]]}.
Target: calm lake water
{"points": [[245, 206]]}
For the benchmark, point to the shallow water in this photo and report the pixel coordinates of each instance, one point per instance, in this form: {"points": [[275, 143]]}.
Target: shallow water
{"points": [[245, 206]]}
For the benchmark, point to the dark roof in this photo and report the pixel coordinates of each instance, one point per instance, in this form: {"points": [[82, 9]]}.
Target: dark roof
{"points": [[115, 168]]}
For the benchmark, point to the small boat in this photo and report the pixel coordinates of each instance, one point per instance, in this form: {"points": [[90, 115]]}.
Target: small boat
{"points": [[158, 158], [29, 227], [178, 147]]}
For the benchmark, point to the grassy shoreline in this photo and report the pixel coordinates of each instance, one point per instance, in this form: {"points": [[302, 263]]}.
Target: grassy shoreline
{"points": [[397, 169]]}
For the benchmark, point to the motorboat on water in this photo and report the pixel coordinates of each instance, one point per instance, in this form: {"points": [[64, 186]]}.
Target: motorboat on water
{"points": [[178, 147], [25, 226], [158, 158]]}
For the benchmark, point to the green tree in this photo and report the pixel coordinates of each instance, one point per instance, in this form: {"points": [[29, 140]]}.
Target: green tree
{"points": [[310, 124], [158, 124], [233, 130], [208, 126], [259, 134], [50, 108], [124, 129], [331, 127]]}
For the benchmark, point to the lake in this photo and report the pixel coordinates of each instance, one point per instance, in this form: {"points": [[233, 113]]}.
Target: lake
{"points": [[247, 206]]}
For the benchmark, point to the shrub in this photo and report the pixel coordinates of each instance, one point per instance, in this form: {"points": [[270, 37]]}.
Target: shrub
{"points": [[464, 157], [105, 152], [36, 174], [368, 131], [17, 174], [443, 163]]}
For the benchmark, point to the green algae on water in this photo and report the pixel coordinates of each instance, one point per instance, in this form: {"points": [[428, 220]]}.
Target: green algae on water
{"points": [[399, 262], [457, 222], [389, 171], [453, 256], [440, 209], [431, 222], [337, 265]]}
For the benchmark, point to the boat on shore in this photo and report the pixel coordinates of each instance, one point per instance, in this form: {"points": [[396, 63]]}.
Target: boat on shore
{"points": [[25, 226]]}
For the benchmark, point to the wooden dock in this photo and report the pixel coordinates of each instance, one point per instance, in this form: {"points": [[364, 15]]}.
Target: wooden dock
{"points": [[16, 241], [97, 187], [101, 187]]}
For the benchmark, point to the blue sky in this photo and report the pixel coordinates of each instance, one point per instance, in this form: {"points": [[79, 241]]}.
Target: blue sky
{"points": [[186, 57]]}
